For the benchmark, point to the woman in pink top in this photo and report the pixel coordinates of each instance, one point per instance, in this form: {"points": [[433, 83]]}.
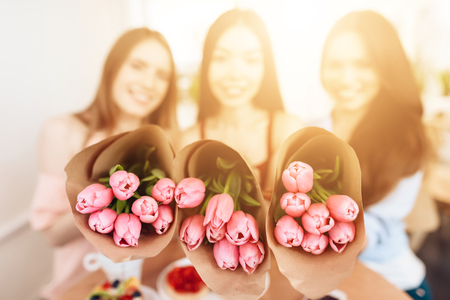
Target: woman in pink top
{"points": [[137, 87]]}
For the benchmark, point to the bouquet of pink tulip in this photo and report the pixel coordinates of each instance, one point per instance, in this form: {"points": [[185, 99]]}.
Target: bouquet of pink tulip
{"points": [[134, 202], [222, 219], [117, 206], [329, 220], [310, 209]]}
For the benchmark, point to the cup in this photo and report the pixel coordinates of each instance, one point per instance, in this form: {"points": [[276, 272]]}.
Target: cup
{"points": [[113, 271]]}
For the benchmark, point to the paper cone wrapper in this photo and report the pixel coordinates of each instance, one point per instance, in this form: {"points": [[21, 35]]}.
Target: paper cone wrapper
{"points": [[95, 162], [316, 275], [198, 159]]}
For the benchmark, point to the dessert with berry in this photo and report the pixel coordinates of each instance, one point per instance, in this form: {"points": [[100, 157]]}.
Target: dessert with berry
{"points": [[126, 290], [184, 283]]}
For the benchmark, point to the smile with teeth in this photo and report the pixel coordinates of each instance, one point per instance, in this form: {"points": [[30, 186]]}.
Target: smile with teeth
{"points": [[234, 91], [140, 96]]}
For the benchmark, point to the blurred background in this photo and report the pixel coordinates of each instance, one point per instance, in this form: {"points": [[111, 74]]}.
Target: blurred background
{"points": [[51, 56]]}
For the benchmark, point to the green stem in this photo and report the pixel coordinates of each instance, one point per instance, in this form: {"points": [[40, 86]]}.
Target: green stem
{"points": [[205, 204], [228, 182]]}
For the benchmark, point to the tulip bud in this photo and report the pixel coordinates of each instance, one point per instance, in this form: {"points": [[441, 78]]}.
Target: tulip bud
{"points": [[341, 234], [342, 208], [242, 228], [192, 231], [123, 184], [226, 255], [165, 217], [219, 210], [127, 230], [296, 204], [189, 192], [287, 232], [251, 255], [146, 209], [314, 243], [93, 198], [316, 219], [215, 235], [103, 220], [164, 190], [298, 177]]}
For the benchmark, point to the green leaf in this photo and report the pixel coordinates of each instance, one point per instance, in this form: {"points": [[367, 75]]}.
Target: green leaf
{"points": [[158, 173], [279, 213], [114, 169], [148, 189], [149, 178], [120, 206], [104, 179], [217, 185], [235, 185], [136, 195], [137, 169], [146, 165], [336, 170], [149, 152], [316, 176], [207, 181], [248, 187], [248, 200], [323, 171], [205, 204], [224, 164], [213, 189]]}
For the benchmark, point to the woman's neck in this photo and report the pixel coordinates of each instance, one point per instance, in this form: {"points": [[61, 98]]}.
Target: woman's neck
{"points": [[237, 117], [126, 123]]}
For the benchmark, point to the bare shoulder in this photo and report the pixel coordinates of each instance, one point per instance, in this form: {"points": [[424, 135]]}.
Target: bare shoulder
{"points": [[284, 125], [60, 138], [190, 135]]}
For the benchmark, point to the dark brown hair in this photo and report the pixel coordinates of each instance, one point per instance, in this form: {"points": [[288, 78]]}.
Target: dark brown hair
{"points": [[102, 113], [268, 97], [390, 141]]}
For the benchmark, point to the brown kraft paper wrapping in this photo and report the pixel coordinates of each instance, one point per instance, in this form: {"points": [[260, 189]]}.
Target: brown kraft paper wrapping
{"points": [[193, 161], [316, 275], [94, 162]]}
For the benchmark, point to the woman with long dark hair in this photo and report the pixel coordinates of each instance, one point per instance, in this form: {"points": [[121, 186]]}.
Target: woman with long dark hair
{"points": [[378, 112], [240, 102], [137, 87]]}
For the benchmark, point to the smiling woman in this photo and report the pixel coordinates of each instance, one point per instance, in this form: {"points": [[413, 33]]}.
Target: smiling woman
{"points": [[137, 87], [240, 102]]}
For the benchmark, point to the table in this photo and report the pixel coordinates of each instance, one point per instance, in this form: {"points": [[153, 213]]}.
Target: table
{"points": [[362, 284]]}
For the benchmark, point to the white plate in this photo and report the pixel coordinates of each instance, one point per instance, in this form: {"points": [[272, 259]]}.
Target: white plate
{"points": [[148, 293], [162, 276]]}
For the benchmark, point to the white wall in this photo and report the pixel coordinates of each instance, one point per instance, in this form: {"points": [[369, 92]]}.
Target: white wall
{"points": [[51, 55]]}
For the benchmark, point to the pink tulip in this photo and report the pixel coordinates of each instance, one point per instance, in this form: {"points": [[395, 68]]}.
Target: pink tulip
{"points": [[342, 208], [296, 204], [94, 197], [124, 184], [287, 232], [189, 192], [164, 190], [316, 219], [192, 231], [314, 243], [341, 234], [219, 210], [146, 208], [215, 235], [251, 255], [165, 217], [127, 230], [298, 177], [103, 220], [226, 255], [242, 228]]}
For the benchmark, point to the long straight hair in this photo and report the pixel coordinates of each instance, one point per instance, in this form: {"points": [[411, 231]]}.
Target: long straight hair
{"points": [[103, 112], [390, 141], [268, 97]]}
